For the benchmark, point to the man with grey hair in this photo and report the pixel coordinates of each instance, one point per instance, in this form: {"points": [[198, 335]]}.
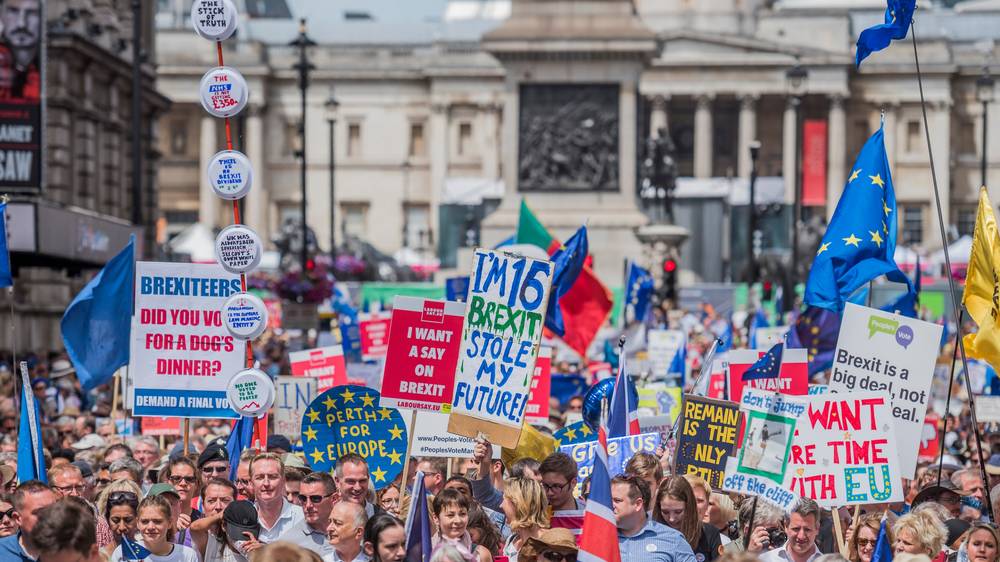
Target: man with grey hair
{"points": [[345, 532], [126, 467], [767, 522], [970, 483], [801, 528]]}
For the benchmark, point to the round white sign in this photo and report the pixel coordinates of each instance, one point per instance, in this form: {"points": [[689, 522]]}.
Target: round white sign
{"points": [[238, 248], [214, 20], [250, 392], [230, 174], [245, 316], [224, 91]]}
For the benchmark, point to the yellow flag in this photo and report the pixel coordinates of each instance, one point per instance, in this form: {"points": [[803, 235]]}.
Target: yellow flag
{"points": [[532, 443], [982, 286]]}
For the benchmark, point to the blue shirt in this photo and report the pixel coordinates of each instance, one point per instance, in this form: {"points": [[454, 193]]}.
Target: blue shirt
{"points": [[655, 543], [11, 551]]}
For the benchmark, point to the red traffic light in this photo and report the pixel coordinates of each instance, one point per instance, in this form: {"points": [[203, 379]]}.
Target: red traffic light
{"points": [[310, 264], [669, 265], [768, 286]]}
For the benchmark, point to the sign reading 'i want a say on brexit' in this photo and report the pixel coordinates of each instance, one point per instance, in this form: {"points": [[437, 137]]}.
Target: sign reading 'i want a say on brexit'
{"points": [[347, 419], [508, 296]]}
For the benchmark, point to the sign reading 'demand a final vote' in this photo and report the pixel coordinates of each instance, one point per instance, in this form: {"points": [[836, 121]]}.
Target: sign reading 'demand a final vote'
{"points": [[508, 295]]}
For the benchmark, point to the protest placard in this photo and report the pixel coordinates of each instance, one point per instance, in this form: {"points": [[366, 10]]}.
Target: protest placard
{"points": [[182, 356], [760, 465], [793, 378], [326, 364], [374, 330], [541, 385], [456, 288], [663, 346], [659, 398], [508, 296], [294, 394], [347, 419], [431, 437], [424, 337], [716, 387], [620, 450], [707, 438], [883, 352], [930, 439], [156, 426], [987, 408], [844, 451]]}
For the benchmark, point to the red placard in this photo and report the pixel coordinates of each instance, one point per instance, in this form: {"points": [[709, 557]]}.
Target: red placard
{"points": [[793, 379], [323, 363], [537, 408], [424, 340], [930, 439], [374, 329], [814, 142], [160, 426], [717, 382]]}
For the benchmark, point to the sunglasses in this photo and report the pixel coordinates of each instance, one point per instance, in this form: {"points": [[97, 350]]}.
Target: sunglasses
{"points": [[9, 514], [214, 469], [185, 479], [117, 498], [553, 556], [315, 499], [103, 481], [865, 543]]}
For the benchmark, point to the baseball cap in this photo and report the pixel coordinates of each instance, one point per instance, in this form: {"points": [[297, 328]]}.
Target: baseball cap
{"points": [[993, 465], [240, 517], [291, 460], [161, 488], [7, 473], [89, 441], [278, 442], [85, 469], [213, 452]]}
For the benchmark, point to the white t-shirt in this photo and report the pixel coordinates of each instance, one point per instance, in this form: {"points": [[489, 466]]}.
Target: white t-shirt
{"points": [[180, 553]]}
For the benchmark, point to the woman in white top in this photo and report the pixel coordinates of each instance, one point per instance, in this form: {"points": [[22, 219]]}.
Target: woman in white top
{"points": [[156, 530]]}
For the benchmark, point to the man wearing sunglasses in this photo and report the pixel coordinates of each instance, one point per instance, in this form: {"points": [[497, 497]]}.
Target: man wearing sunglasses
{"points": [[316, 496], [214, 462]]}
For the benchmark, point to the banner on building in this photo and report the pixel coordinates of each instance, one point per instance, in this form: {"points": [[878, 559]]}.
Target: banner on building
{"points": [[814, 149], [21, 100]]}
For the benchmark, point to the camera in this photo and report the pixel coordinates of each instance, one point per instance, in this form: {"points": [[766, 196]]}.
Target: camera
{"points": [[776, 537]]}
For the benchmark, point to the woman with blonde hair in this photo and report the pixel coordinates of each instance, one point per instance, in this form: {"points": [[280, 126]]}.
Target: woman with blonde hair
{"points": [[981, 544], [864, 535], [919, 533], [527, 513]]}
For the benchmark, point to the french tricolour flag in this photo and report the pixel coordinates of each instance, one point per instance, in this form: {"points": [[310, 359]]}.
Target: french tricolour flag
{"points": [[623, 417], [599, 540]]}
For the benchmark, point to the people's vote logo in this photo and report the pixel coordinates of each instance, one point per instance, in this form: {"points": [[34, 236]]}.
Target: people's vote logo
{"points": [[902, 334], [347, 419]]}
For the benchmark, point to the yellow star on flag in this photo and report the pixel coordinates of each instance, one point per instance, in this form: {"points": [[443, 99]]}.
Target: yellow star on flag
{"points": [[379, 474], [585, 430], [876, 238], [851, 240], [877, 180], [395, 457], [369, 400], [824, 247], [313, 416], [885, 208], [854, 175], [310, 433], [885, 228], [386, 413], [317, 456], [329, 403], [571, 434], [396, 432], [347, 395]]}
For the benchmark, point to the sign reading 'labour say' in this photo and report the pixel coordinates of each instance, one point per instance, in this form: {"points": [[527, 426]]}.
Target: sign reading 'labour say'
{"points": [[508, 296], [326, 364], [182, 356], [424, 337], [892, 355], [374, 330], [708, 437]]}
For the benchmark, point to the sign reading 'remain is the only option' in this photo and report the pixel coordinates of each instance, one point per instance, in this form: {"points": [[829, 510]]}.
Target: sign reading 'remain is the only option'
{"points": [[182, 356], [424, 336], [508, 296]]}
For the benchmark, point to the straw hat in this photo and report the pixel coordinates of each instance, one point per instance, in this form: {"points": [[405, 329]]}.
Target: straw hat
{"points": [[559, 540]]}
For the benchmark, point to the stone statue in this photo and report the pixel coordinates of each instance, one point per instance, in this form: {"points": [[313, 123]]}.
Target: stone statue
{"points": [[288, 241], [658, 175]]}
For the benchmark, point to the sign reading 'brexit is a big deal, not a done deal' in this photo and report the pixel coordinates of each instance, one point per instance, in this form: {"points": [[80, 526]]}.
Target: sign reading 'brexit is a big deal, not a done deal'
{"points": [[508, 296]]}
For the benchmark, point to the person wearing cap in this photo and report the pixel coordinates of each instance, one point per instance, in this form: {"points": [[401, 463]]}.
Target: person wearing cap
{"points": [[213, 462], [278, 444], [553, 545], [316, 496], [993, 470], [236, 538], [947, 494], [89, 442], [276, 513], [170, 494], [8, 479]]}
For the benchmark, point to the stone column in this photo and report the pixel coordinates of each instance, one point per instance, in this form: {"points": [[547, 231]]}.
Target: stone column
{"points": [[703, 137], [439, 150], [747, 134], [788, 144], [836, 147], [491, 144], [259, 198], [891, 131], [208, 201], [658, 115]]}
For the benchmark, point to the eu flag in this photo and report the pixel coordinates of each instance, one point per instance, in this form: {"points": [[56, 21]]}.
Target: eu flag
{"points": [[30, 453], [768, 366], [883, 550], [239, 440], [418, 523], [132, 550], [568, 261], [6, 279], [898, 16], [861, 238], [638, 290], [816, 330]]}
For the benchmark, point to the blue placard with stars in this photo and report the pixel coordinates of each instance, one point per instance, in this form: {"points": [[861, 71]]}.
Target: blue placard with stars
{"points": [[574, 433], [347, 419]]}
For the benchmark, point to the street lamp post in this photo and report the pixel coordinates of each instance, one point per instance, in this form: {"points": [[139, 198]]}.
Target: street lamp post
{"points": [[331, 119], [752, 208], [984, 93], [303, 42], [796, 76]]}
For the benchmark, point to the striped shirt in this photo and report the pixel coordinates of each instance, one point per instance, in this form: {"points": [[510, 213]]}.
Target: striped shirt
{"points": [[655, 543], [571, 519]]}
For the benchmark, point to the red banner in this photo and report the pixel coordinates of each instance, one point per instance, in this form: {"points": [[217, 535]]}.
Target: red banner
{"points": [[814, 149], [793, 378], [374, 328], [323, 363], [160, 426], [537, 409], [930, 438]]}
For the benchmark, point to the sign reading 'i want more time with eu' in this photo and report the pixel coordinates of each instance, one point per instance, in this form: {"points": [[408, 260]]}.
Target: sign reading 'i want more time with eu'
{"points": [[508, 296]]}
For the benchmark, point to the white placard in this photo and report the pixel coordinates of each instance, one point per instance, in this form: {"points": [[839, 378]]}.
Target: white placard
{"points": [[987, 409], [245, 316], [294, 394], [215, 20], [224, 91], [891, 354], [250, 392], [663, 347], [433, 440], [238, 248], [230, 174]]}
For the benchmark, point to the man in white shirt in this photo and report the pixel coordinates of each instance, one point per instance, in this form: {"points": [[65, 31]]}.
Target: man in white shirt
{"points": [[276, 514], [801, 526], [345, 532]]}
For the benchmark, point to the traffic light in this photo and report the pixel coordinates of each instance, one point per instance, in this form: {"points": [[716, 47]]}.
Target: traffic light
{"points": [[668, 290], [310, 264], [768, 290]]}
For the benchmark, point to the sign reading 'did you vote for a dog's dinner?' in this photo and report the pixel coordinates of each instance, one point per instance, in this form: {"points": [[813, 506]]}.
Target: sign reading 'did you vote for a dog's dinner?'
{"points": [[508, 296]]}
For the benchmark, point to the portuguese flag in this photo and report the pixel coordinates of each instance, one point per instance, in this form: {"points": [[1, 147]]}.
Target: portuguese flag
{"points": [[587, 305]]}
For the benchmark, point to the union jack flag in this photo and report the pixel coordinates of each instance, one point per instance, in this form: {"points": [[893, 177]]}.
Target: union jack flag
{"points": [[599, 538], [623, 418]]}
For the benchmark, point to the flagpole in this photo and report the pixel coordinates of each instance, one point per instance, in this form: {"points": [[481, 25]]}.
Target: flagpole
{"points": [[947, 260]]}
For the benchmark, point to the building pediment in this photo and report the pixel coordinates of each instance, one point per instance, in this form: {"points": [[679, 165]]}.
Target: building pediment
{"points": [[685, 47]]}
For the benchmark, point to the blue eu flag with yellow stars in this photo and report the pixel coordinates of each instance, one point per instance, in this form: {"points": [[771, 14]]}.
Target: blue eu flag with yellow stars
{"points": [[898, 16], [768, 366], [638, 292], [861, 238]]}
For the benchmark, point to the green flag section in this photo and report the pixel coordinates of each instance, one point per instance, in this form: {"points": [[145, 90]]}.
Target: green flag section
{"points": [[531, 231]]}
